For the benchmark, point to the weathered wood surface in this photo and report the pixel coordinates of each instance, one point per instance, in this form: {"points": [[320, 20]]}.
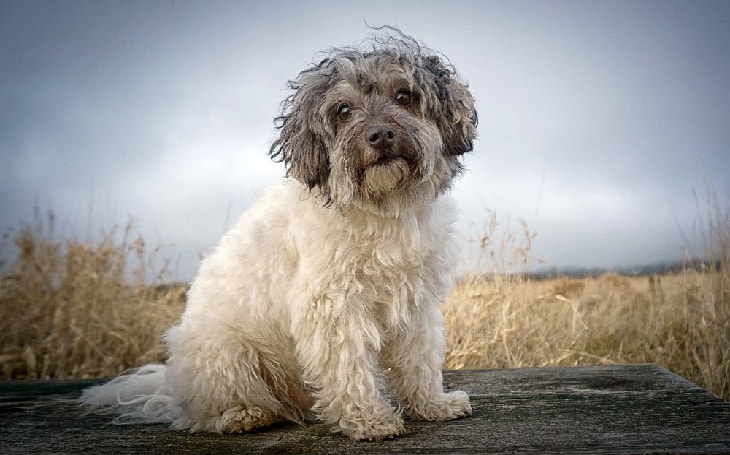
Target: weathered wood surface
{"points": [[598, 409]]}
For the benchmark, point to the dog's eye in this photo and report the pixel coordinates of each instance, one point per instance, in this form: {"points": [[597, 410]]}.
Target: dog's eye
{"points": [[344, 112], [404, 97]]}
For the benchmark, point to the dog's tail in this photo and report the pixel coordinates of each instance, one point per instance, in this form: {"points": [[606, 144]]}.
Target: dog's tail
{"points": [[142, 395]]}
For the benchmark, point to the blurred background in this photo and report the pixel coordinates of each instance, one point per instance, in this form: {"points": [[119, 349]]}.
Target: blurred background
{"points": [[602, 124]]}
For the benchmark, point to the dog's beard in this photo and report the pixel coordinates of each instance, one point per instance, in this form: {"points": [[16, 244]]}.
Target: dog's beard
{"points": [[386, 176]]}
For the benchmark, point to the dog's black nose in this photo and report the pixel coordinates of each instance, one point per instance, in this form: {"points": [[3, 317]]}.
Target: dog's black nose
{"points": [[380, 137]]}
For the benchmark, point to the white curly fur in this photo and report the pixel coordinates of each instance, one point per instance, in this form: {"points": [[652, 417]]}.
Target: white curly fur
{"points": [[331, 284]]}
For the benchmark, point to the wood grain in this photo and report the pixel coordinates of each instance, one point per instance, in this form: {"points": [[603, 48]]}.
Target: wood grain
{"points": [[626, 409]]}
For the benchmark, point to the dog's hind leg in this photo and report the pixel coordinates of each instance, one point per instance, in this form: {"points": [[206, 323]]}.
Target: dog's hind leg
{"points": [[218, 380]]}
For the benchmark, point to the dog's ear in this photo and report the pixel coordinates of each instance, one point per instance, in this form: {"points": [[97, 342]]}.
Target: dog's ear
{"points": [[301, 143], [458, 117]]}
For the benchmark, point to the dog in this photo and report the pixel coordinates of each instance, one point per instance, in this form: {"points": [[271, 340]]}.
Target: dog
{"points": [[329, 288]]}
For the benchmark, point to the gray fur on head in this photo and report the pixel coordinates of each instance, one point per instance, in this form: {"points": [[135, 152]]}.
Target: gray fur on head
{"points": [[391, 85]]}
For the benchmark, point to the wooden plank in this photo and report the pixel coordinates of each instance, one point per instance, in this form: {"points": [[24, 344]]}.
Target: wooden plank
{"points": [[594, 409]]}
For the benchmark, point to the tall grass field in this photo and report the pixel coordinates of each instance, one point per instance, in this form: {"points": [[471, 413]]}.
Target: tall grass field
{"points": [[73, 309]]}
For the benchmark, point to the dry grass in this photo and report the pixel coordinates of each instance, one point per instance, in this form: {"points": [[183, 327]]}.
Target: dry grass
{"points": [[680, 321], [71, 309]]}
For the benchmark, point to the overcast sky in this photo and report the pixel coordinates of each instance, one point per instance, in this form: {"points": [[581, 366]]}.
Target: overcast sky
{"points": [[598, 121]]}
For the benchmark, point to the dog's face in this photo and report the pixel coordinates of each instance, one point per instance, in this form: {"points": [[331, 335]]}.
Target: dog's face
{"points": [[381, 130]]}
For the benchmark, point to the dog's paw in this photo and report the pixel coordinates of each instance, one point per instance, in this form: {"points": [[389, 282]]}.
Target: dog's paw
{"points": [[373, 430], [442, 407], [240, 420]]}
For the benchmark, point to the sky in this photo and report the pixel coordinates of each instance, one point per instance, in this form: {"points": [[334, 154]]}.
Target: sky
{"points": [[602, 125]]}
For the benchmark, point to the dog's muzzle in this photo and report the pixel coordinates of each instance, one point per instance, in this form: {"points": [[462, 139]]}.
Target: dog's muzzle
{"points": [[385, 144]]}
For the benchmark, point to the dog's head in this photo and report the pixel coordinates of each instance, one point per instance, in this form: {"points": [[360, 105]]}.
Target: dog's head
{"points": [[382, 128]]}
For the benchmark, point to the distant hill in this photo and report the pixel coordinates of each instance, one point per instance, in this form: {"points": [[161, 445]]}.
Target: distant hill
{"points": [[634, 270]]}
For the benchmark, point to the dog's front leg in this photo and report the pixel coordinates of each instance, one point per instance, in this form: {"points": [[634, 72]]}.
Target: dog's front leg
{"points": [[338, 350], [413, 362]]}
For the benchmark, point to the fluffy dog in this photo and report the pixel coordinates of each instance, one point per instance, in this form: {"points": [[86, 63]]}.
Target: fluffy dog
{"points": [[332, 282]]}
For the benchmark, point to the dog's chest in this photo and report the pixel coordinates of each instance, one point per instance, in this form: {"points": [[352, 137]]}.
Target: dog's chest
{"points": [[389, 266], [386, 271]]}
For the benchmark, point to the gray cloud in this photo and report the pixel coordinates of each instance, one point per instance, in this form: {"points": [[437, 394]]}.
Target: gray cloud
{"points": [[597, 120]]}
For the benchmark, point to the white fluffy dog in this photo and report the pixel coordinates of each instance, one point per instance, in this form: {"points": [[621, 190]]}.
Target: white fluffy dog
{"points": [[332, 282]]}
